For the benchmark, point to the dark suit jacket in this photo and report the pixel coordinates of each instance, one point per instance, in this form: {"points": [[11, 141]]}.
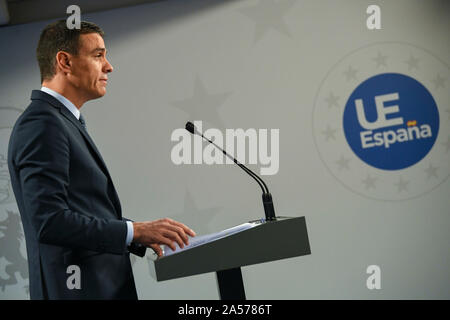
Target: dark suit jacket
{"points": [[69, 207]]}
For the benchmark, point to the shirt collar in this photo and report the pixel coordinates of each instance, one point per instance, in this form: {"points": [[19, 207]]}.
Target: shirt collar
{"points": [[69, 105]]}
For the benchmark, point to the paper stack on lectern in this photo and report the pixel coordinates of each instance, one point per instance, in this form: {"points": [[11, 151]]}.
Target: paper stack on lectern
{"points": [[199, 240]]}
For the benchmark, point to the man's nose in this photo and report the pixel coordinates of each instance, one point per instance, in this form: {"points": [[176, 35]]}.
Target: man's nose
{"points": [[108, 66]]}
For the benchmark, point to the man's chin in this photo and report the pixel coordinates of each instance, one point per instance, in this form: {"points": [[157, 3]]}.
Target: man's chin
{"points": [[99, 94]]}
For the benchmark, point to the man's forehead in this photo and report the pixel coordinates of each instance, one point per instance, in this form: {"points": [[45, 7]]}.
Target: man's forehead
{"points": [[91, 42]]}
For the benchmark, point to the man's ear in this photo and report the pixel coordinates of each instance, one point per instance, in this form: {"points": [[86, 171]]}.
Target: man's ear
{"points": [[63, 61]]}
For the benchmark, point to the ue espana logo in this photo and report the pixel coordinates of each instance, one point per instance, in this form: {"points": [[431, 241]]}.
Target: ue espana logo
{"points": [[381, 121], [391, 121]]}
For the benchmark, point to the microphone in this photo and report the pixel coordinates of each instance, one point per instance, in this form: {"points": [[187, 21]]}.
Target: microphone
{"points": [[266, 196]]}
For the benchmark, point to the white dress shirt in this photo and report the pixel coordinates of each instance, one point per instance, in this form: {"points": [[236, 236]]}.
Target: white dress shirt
{"points": [[74, 110]]}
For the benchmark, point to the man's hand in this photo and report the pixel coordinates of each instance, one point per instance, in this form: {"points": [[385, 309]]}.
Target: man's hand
{"points": [[164, 231]]}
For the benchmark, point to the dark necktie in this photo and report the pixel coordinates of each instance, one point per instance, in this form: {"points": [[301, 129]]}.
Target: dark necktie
{"points": [[83, 123]]}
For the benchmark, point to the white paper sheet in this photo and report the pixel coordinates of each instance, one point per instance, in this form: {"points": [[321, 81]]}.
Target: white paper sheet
{"points": [[199, 240]]}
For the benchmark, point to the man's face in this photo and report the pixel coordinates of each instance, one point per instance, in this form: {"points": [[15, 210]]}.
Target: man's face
{"points": [[90, 68]]}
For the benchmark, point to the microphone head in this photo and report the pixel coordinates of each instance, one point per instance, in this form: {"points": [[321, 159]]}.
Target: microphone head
{"points": [[190, 127]]}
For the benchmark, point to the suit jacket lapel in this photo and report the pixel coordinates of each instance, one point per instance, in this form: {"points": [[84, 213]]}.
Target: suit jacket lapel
{"points": [[66, 113], [37, 94]]}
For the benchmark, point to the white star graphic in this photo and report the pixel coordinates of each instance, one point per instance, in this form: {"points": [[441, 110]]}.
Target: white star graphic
{"points": [[343, 163], [269, 14], [447, 145], [412, 63], [350, 73], [332, 100], [369, 182], [329, 133], [402, 185], [431, 171], [195, 218], [380, 60], [202, 105], [439, 82]]}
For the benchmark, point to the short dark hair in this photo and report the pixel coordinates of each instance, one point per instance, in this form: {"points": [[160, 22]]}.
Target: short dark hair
{"points": [[57, 37]]}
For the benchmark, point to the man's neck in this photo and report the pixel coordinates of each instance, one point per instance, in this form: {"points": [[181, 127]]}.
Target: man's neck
{"points": [[67, 91]]}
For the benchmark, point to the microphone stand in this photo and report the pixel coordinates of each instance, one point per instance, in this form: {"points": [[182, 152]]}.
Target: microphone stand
{"points": [[269, 209]]}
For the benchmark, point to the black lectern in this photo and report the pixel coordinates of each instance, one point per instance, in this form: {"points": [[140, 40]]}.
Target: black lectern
{"points": [[268, 241]]}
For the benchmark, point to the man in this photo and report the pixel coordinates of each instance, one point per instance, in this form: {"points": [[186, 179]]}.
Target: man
{"points": [[70, 210]]}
